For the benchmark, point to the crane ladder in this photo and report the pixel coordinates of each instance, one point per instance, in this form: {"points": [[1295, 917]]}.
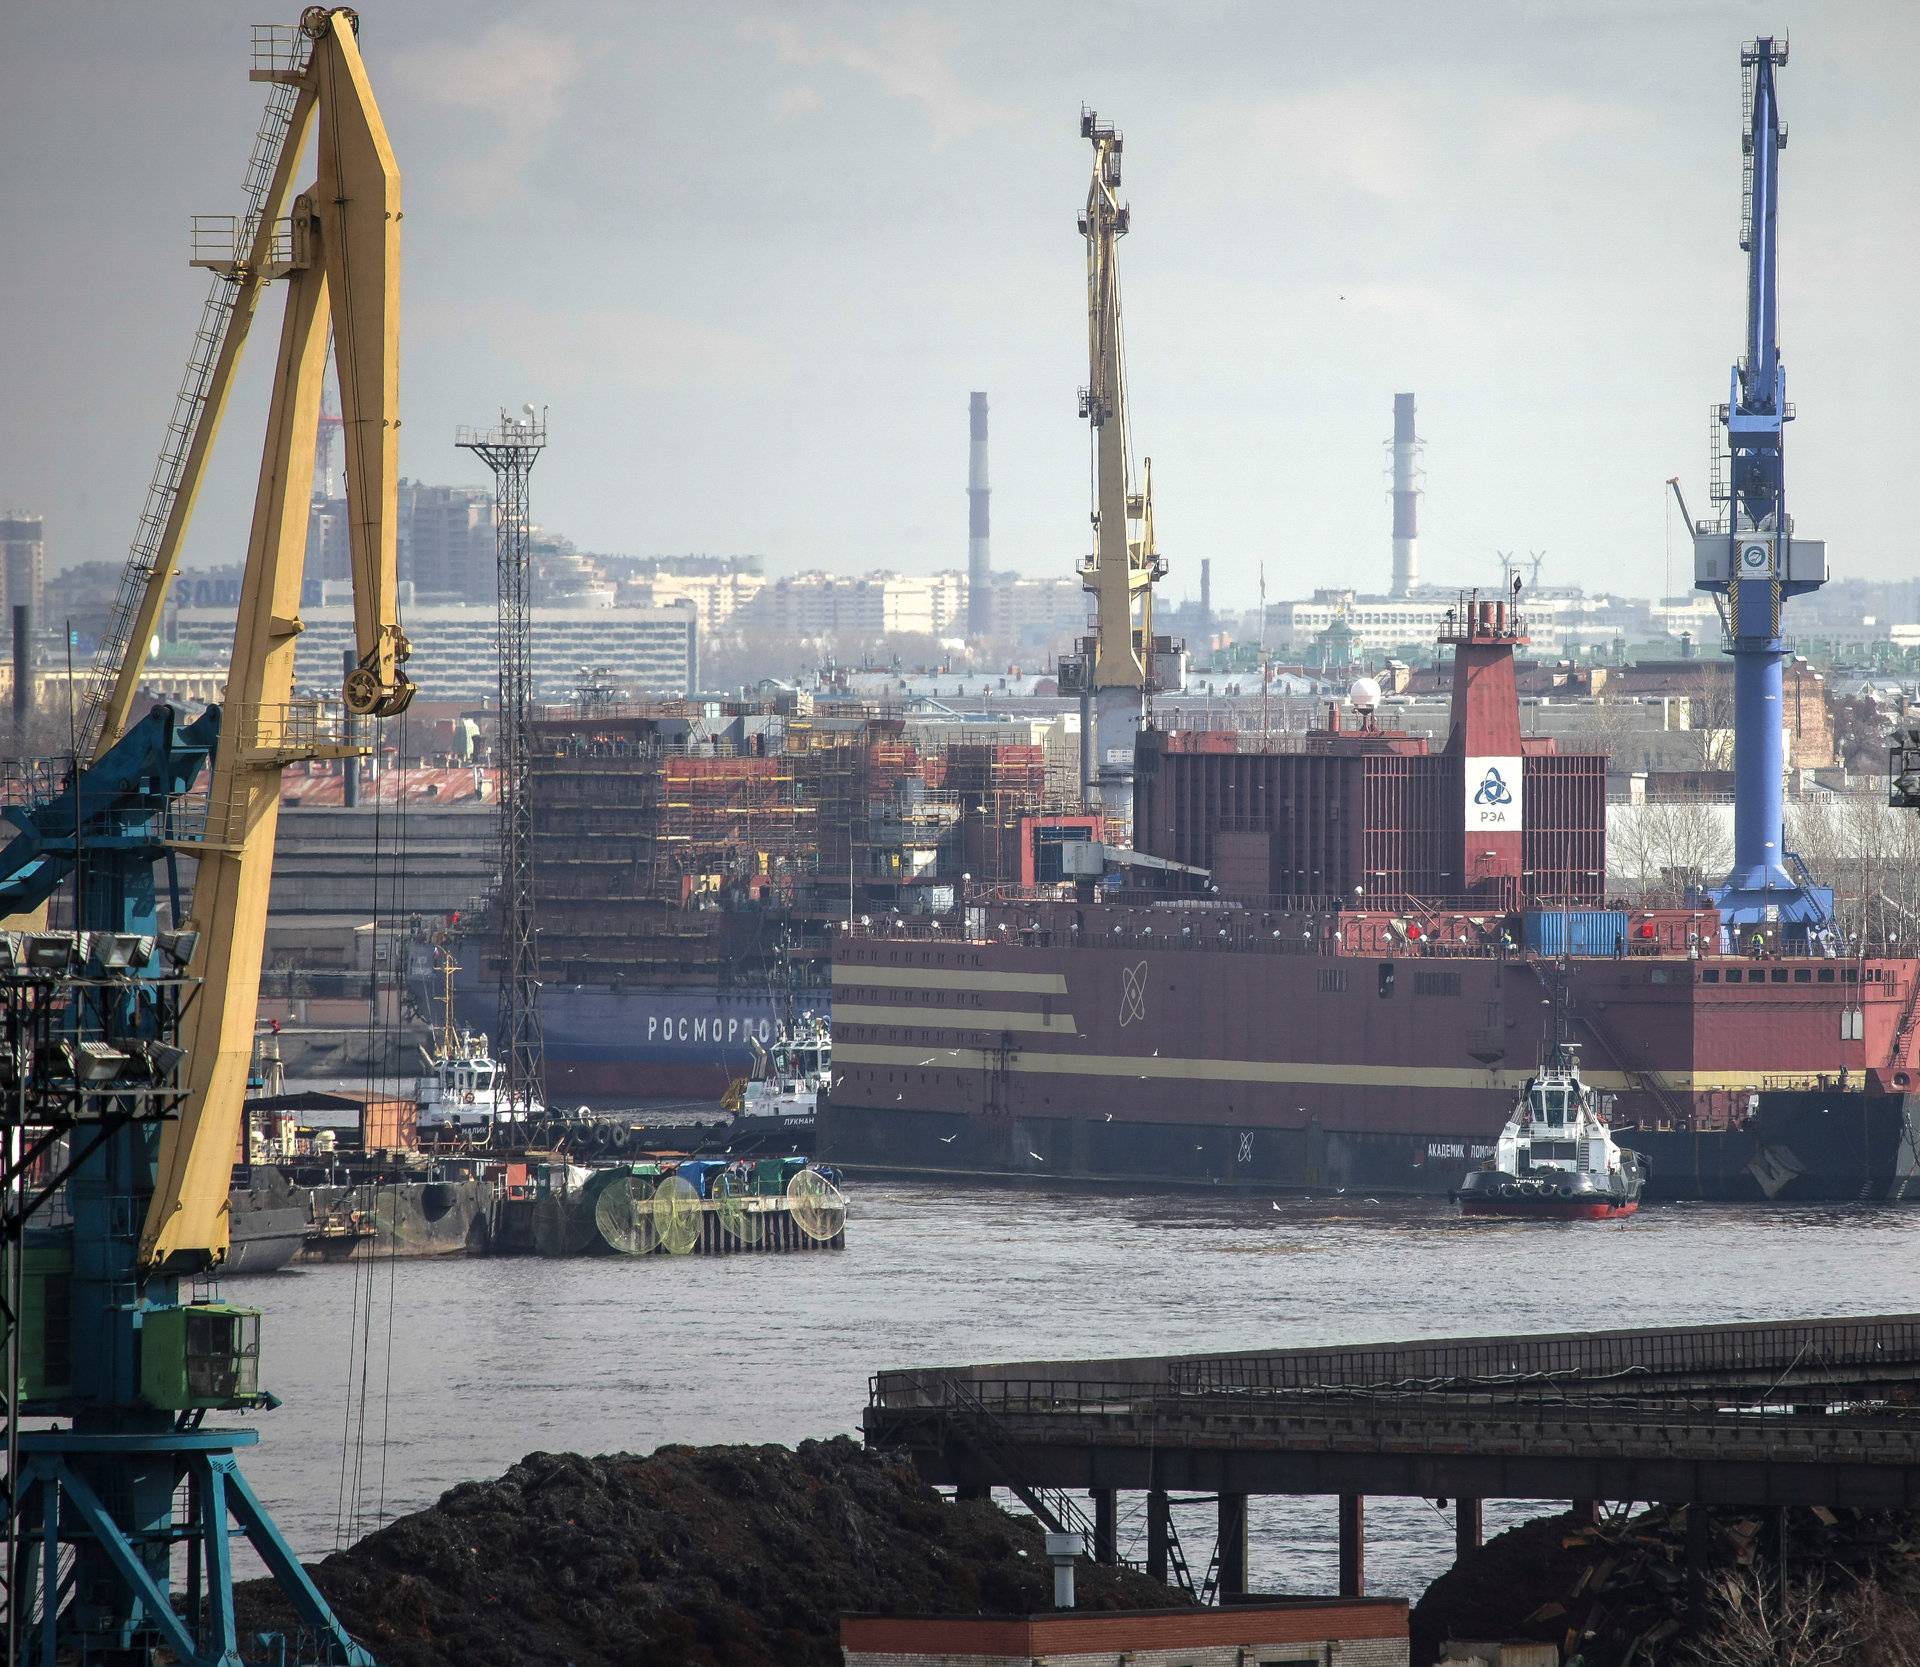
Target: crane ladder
{"points": [[189, 409]]}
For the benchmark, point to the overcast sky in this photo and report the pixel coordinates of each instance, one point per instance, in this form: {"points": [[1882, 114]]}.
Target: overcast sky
{"points": [[754, 261]]}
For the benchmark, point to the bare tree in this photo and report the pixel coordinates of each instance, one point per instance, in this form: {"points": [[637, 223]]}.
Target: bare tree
{"points": [[1709, 694], [1759, 1620], [1870, 855], [1659, 849]]}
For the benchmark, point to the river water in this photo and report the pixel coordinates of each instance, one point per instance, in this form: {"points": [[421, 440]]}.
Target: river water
{"points": [[409, 1377]]}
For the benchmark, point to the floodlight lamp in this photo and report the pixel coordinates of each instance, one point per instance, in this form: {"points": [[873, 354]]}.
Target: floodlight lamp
{"points": [[178, 947], [50, 951], [92, 1063], [119, 951]]}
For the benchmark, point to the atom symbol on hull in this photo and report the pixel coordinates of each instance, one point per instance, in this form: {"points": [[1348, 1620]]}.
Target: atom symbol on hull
{"points": [[1133, 994], [1494, 790]]}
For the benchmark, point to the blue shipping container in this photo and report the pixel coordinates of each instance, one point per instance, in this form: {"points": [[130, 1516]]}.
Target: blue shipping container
{"points": [[1576, 931]]}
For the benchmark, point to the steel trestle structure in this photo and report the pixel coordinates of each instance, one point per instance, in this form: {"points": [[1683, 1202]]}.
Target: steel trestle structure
{"points": [[510, 450]]}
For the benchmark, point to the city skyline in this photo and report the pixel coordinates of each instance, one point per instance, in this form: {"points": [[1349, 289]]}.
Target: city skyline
{"points": [[1536, 238]]}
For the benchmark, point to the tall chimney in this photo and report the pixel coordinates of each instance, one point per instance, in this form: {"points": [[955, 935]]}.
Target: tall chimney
{"points": [[1406, 498], [979, 573], [22, 668], [1206, 600]]}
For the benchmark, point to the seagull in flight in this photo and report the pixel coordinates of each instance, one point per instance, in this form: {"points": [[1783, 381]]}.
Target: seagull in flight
{"points": [[1109, 1117], [1276, 1203], [1036, 1157], [949, 1139]]}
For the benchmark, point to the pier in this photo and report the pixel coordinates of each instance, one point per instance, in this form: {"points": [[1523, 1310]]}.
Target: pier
{"points": [[1804, 1413]]}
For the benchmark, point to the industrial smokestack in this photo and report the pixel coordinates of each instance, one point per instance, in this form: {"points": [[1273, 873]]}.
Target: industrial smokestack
{"points": [[1206, 600], [1406, 498], [22, 667], [979, 573]]}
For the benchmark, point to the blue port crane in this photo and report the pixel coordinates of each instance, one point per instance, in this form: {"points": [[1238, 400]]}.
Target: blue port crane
{"points": [[1750, 556], [122, 1478]]}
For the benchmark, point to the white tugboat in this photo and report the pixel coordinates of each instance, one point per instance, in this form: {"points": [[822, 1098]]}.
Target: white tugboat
{"points": [[1557, 1160], [461, 1092], [789, 1076]]}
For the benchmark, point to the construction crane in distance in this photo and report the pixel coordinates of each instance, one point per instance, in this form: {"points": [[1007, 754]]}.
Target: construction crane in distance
{"points": [[1751, 556], [98, 1507], [1121, 664]]}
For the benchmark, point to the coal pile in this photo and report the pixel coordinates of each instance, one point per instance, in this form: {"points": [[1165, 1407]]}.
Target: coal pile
{"points": [[1620, 1591], [691, 1557]]}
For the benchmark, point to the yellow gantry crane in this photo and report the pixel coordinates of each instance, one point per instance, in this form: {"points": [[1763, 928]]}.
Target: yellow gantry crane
{"points": [[337, 247], [1117, 667], [101, 1502]]}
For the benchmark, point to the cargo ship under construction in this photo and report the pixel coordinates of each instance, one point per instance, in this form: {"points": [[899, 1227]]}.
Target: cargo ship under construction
{"points": [[1355, 993], [692, 862]]}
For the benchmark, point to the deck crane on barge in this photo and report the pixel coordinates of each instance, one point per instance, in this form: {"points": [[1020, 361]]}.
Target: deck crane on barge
{"points": [[1121, 665], [125, 1366], [1752, 556]]}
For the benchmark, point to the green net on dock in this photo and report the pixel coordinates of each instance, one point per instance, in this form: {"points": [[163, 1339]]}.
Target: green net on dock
{"points": [[623, 1214], [676, 1215]]}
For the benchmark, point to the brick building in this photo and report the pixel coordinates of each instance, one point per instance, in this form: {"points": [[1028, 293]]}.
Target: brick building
{"points": [[1260, 1632]]}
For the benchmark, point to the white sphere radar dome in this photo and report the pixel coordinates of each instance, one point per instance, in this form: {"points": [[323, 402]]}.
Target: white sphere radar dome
{"points": [[1364, 696]]}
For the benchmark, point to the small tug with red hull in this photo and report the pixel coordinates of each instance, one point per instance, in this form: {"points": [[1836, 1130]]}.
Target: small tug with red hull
{"points": [[1556, 1160]]}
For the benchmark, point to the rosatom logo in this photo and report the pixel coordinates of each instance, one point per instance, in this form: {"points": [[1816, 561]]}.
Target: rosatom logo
{"points": [[1494, 793], [1133, 993], [1493, 790], [1755, 556]]}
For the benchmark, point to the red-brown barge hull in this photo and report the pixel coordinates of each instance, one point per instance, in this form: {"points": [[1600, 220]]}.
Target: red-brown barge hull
{"points": [[1548, 1209]]}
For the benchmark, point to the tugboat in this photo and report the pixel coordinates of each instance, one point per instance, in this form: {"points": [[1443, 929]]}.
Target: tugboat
{"points": [[788, 1078], [1557, 1160], [460, 1093]]}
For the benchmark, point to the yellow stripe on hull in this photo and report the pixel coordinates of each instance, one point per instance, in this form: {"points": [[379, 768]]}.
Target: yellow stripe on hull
{"points": [[948, 1018], [1036, 1063], [941, 978]]}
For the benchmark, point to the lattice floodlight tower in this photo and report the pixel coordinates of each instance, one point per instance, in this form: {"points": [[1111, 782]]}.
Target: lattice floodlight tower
{"points": [[510, 449], [1750, 554]]}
